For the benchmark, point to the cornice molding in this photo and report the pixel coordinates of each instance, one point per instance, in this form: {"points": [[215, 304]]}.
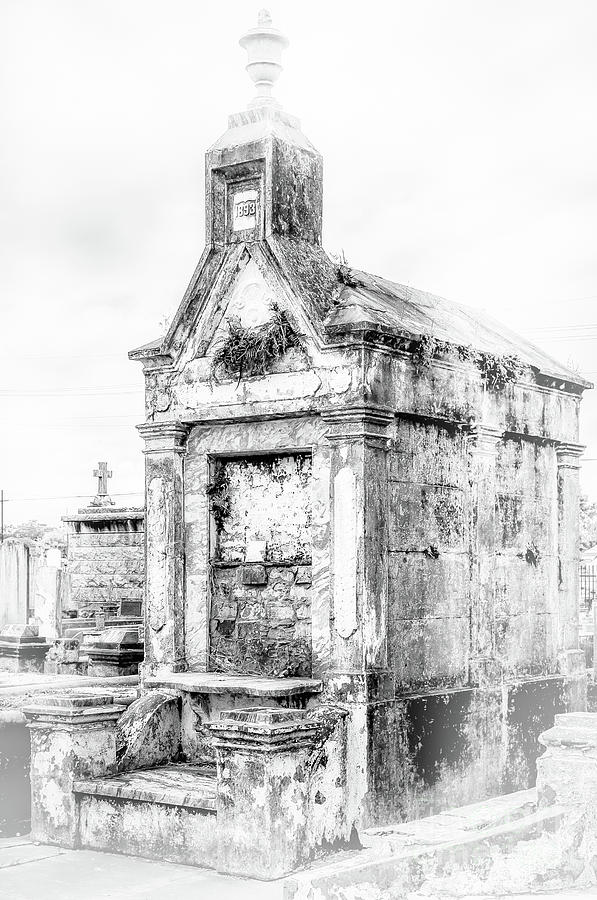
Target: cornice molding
{"points": [[163, 437], [569, 454], [370, 424]]}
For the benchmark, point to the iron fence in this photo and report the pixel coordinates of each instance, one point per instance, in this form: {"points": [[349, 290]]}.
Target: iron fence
{"points": [[588, 585]]}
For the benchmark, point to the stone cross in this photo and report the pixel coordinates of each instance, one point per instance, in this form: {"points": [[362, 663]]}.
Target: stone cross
{"points": [[102, 475]]}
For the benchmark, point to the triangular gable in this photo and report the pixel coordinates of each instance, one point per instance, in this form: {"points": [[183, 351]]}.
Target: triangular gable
{"points": [[241, 282]]}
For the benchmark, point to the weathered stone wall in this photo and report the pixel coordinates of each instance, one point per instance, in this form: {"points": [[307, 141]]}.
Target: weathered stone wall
{"points": [[526, 557], [429, 564], [261, 574], [433, 553], [474, 617], [106, 565]]}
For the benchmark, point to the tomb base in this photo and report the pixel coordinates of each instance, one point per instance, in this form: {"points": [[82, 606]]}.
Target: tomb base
{"points": [[71, 737], [115, 652], [22, 649]]}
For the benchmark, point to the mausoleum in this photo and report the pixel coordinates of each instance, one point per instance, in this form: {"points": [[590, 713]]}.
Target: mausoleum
{"points": [[361, 540], [105, 555]]}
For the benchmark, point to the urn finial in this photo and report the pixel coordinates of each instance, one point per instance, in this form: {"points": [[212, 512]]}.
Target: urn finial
{"points": [[264, 45]]}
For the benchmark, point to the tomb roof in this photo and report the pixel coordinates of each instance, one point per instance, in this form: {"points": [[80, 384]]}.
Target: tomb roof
{"points": [[374, 301], [371, 302]]}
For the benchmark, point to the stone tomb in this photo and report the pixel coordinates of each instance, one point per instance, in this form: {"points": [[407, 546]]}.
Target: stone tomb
{"points": [[361, 543], [105, 555], [115, 651], [22, 649]]}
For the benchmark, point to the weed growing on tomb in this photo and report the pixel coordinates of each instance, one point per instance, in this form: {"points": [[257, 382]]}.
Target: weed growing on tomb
{"points": [[496, 370], [431, 551], [344, 273], [219, 495], [426, 349], [531, 555], [251, 351]]}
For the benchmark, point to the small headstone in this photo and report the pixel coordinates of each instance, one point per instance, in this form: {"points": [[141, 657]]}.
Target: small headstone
{"points": [[131, 608]]}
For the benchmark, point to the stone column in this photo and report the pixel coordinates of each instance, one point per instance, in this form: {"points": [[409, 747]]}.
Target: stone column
{"points": [[360, 440], [165, 444], [263, 790], [71, 737], [568, 456], [482, 443]]}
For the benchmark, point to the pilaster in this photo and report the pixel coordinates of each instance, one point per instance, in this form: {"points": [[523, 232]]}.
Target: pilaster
{"points": [[165, 445], [568, 459], [482, 443], [360, 440]]}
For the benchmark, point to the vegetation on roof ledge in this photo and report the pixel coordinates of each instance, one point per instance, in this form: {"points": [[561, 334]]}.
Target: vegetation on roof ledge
{"points": [[497, 370], [251, 351]]}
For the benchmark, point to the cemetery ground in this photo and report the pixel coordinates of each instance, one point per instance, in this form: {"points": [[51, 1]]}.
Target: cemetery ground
{"points": [[27, 869]]}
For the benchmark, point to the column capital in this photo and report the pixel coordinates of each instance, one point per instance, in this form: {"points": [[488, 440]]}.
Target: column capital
{"points": [[161, 437], [569, 454], [351, 423], [265, 730], [69, 711], [483, 439]]}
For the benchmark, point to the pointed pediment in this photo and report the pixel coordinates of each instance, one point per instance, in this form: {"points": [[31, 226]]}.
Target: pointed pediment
{"points": [[247, 286]]}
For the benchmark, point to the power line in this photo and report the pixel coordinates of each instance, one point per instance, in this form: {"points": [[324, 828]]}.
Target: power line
{"points": [[68, 497], [20, 356], [71, 393]]}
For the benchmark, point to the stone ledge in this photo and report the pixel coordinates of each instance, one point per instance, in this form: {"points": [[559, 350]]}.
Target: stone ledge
{"points": [[106, 514], [245, 685], [193, 787], [74, 710]]}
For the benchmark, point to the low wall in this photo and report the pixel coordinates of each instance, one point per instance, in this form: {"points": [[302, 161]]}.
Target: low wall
{"points": [[433, 751]]}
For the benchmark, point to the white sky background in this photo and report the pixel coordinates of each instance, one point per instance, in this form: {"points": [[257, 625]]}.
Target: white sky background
{"points": [[460, 152]]}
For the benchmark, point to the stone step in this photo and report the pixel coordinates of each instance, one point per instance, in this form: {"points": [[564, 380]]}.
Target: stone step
{"points": [[480, 847], [166, 813], [453, 824]]}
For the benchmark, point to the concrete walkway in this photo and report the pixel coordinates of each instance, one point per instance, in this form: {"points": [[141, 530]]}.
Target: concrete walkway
{"points": [[39, 872]]}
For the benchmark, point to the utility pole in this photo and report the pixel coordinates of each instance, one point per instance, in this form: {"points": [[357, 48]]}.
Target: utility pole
{"points": [[1, 516]]}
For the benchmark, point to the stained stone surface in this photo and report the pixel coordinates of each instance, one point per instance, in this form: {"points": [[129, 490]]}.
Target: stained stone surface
{"points": [[261, 612], [105, 559], [174, 785]]}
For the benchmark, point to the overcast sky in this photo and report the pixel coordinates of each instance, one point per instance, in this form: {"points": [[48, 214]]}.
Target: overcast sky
{"points": [[459, 141]]}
